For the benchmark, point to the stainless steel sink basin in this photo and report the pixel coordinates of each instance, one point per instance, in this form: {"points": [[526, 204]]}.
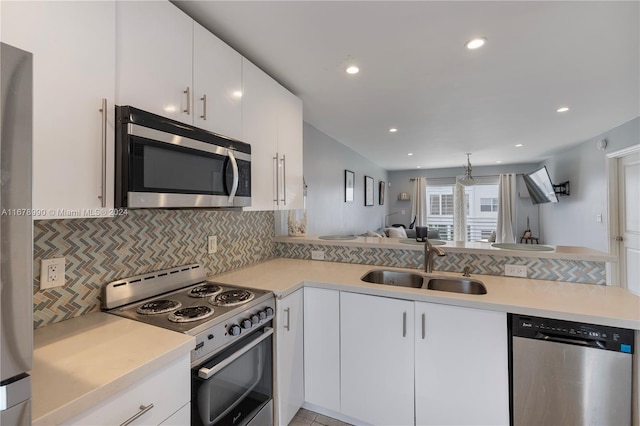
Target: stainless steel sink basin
{"points": [[399, 278], [456, 285]]}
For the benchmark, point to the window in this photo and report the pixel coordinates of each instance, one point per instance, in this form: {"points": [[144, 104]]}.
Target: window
{"points": [[482, 210], [489, 204]]}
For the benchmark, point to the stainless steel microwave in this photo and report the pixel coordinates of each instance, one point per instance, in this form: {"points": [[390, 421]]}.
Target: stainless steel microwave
{"points": [[162, 163]]}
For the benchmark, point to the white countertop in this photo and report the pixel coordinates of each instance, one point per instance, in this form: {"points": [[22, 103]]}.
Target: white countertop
{"points": [[475, 247], [597, 304], [84, 360]]}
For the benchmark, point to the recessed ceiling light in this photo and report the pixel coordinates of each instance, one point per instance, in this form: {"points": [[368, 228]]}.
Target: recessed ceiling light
{"points": [[499, 161], [393, 130], [353, 70], [237, 94], [418, 167], [519, 145], [475, 43], [562, 109], [410, 154]]}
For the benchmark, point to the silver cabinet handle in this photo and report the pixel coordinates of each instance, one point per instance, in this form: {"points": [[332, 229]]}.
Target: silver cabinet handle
{"points": [[188, 93], [423, 326], [234, 185], [204, 107], [284, 180], [136, 416], [206, 373], [103, 194], [288, 326], [404, 324], [277, 199]]}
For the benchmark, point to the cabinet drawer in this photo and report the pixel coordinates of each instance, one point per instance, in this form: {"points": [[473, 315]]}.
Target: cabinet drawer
{"points": [[168, 389]]}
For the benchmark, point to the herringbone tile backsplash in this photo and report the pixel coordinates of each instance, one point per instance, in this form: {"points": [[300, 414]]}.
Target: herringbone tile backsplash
{"points": [[99, 251]]}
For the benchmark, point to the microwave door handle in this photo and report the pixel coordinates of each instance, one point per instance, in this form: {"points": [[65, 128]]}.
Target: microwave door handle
{"points": [[234, 166], [206, 373]]}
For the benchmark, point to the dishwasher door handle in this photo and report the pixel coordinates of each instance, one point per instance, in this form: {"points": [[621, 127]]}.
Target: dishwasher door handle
{"points": [[581, 342]]}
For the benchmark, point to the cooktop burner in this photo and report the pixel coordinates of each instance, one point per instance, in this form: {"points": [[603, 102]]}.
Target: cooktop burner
{"points": [[205, 290], [158, 307], [192, 313], [232, 297]]}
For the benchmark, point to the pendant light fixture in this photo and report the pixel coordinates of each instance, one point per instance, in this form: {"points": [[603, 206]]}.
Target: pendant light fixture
{"points": [[467, 179]]}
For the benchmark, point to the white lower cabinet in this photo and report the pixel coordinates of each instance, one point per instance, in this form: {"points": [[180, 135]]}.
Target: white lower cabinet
{"points": [[182, 417], [289, 356], [376, 356], [322, 348], [461, 366], [166, 391], [381, 361]]}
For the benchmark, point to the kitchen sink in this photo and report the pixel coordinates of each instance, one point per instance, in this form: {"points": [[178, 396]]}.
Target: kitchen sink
{"points": [[456, 285], [399, 278]]}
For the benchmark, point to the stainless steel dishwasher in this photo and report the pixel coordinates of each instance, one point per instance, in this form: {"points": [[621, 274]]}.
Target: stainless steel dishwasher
{"points": [[570, 373]]}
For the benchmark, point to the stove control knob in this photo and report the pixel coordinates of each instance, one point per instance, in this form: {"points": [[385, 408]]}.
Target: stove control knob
{"points": [[269, 311], [255, 319], [234, 330], [246, 323], [263, 315]]}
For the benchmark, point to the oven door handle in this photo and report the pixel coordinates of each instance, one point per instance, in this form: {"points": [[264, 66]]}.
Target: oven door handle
{"points": [[206, 373]]}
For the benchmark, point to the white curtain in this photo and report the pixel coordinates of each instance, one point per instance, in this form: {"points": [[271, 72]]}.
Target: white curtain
{"points": [[506, 208], [459, 213], [419, 202]]}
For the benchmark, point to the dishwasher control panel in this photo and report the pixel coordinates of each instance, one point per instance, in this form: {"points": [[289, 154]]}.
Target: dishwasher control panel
{"points": [[590, 335]]}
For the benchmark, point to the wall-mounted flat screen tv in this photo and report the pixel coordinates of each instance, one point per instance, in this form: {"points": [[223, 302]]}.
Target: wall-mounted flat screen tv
{"points": [[540, 187]]}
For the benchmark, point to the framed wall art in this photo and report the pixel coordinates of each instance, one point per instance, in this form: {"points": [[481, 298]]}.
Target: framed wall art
{"points": [[349, 180], [368, 191], [381, 193]]}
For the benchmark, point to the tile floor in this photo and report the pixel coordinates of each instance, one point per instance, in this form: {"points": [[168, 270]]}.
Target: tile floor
{"points": [[309, 418]]}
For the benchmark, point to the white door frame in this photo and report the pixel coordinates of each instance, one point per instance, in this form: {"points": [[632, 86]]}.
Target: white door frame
{"points": [[613, 269]]}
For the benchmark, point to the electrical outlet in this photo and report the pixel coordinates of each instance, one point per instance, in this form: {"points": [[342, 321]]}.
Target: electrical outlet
{"points": [[52, 273], [317, 254], [515, 271], [212, 244]]}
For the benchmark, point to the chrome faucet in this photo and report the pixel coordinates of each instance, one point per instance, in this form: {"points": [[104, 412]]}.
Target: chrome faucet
{"points": [[429, 251], [466, 272]]}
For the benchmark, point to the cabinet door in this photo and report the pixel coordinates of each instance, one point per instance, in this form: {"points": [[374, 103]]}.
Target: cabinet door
{"points": [[322, 348], [461, 366], [73, 46], [290, 356], [377, 359], [290, 149], [154, 58], [260, 129], [217, 82], [160, 395]]}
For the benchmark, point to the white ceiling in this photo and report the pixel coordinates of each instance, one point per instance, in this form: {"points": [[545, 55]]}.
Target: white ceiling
{"points": [[416, 75]]}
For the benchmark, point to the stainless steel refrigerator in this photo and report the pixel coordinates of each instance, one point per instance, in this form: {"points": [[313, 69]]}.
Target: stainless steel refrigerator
{"points": [[16, 236]]}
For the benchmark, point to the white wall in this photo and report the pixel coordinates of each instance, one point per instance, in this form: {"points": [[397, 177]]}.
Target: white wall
{"points": [[325, 161], [400, 182], [572, 221]]}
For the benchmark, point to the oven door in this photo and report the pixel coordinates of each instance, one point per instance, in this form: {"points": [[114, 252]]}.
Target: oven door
{"points": [[236, 385]]}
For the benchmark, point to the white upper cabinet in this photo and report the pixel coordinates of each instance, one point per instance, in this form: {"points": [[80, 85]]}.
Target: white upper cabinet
{"points": [[272, 124], [290, 149], [376, 359], [155, 56], [217, 84], [260, 129], [174, 67], [462, 373], [73, 46]]}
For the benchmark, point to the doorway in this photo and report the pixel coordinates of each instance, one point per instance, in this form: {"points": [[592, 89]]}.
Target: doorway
{"points": [[624, 217]]}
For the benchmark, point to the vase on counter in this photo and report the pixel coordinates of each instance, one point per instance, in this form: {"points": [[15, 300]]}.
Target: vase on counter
{"points": [[297, 222]]}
